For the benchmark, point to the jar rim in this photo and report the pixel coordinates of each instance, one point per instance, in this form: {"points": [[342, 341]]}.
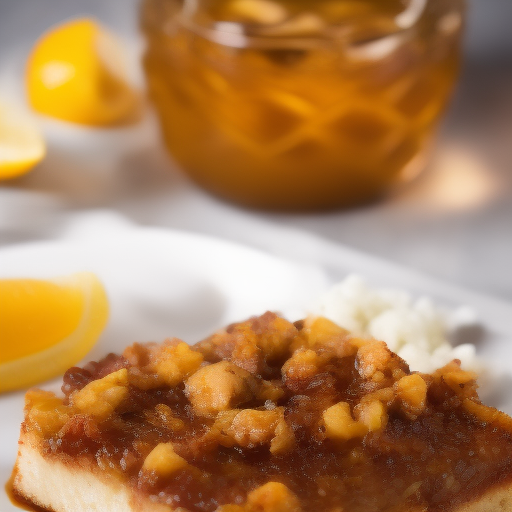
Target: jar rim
{"points": [[232, 34]]}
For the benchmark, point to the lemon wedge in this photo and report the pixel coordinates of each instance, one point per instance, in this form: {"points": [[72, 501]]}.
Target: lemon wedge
{"points": [[21, 144], [75, 73], [47, 326]]}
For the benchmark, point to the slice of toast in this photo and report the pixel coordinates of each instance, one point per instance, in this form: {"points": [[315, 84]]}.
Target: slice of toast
{"points": [[266, 416]]}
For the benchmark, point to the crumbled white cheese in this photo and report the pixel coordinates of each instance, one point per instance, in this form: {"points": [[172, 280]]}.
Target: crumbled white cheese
{"points": [[416, 329]]}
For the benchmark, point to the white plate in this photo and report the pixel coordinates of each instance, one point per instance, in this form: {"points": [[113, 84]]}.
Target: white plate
{"points": [[160, 284], [164, 283]]}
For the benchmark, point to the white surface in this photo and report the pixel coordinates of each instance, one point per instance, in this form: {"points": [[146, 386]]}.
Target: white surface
{"points": [[165, 283]]}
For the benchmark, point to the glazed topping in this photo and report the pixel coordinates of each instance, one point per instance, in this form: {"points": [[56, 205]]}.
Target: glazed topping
{"points": [[270, 416]]}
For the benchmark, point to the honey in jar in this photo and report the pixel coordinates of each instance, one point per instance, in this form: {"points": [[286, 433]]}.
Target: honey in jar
{"points": [[300, 104]]}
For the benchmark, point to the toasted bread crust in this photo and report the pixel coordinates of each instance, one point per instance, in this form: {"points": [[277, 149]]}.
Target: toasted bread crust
{"points": [[55, 486]]}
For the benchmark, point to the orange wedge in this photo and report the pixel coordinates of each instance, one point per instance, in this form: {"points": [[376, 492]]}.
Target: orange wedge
{"points": [[47, 326], [21, 144], [75, 73]]}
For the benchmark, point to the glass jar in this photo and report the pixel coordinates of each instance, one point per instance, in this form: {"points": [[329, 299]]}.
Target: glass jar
{"points": [[300, 104]]}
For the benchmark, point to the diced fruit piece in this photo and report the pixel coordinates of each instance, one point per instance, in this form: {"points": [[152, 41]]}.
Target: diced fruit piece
{"points": [[301, 367], [272, 497], [320, 329], [284, 439], [322, 333], [177, 362], [101, 397], [218, 387], [163, 417], [164, 461], [412, 390], [372, 358], [372, 414], [339, 424], [45, 411], [249, 428]]}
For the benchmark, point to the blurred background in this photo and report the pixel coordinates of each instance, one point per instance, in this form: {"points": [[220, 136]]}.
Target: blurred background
{"points": [[454, 222]]}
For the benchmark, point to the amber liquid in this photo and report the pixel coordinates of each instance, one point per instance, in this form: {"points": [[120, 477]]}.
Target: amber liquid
{"points": [[327, 125]]}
